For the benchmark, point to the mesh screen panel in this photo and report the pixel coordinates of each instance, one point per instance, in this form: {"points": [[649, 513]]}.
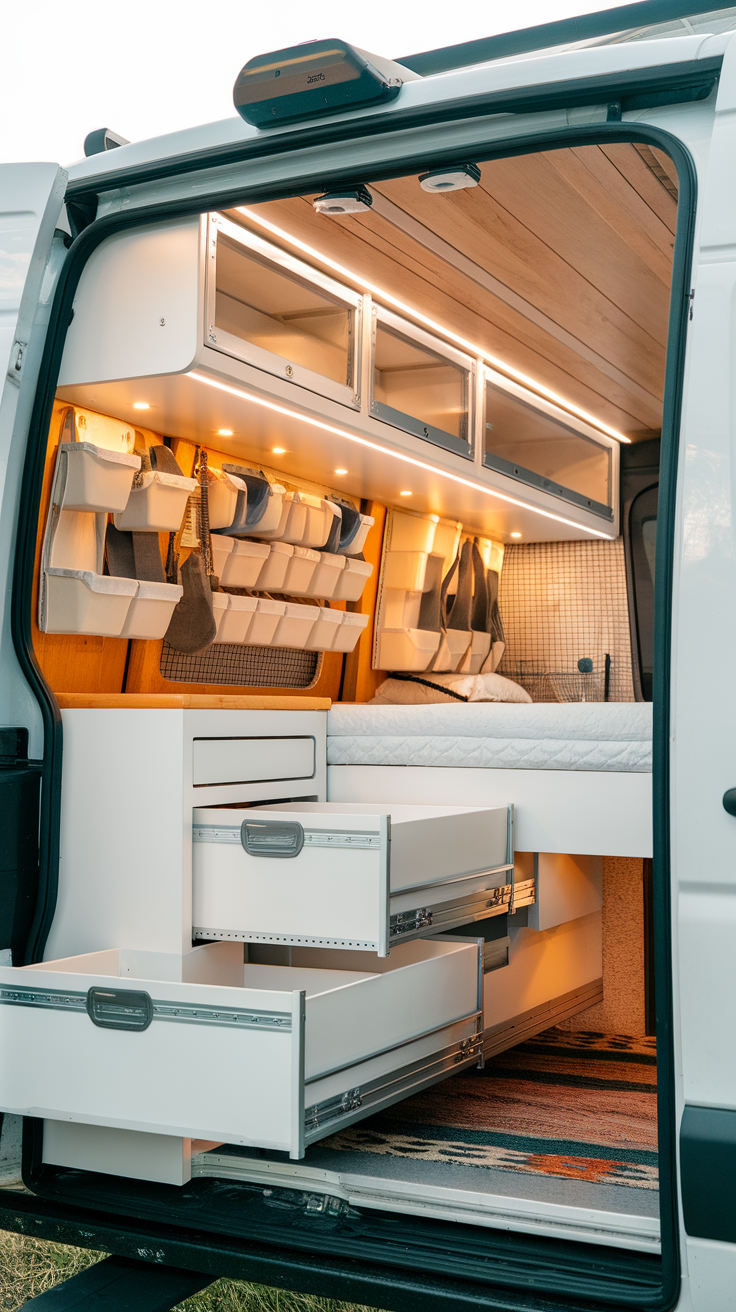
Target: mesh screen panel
{"points": [[560, 602], [246, 667]]}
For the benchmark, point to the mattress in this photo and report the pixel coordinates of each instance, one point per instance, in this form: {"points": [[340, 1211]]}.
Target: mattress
{"points": [[494, 735]]}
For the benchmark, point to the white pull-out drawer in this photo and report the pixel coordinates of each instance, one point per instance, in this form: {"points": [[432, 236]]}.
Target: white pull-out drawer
{"points": [[203, 1047], [248, 760], [347, 875]]}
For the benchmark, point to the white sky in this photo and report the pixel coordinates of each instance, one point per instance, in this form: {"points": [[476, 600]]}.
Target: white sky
{"points": [[145, 67]]}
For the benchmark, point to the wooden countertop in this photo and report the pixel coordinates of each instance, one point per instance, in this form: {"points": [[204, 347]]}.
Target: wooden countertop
{"points": [[187, 701]]}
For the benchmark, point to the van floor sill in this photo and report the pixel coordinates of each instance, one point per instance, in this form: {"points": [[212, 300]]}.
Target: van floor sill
{"points": [[566, 1209]]}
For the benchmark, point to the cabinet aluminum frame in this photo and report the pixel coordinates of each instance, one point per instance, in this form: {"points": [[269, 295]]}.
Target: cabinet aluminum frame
{"points": [[415, 911], [527, 476], [407, 423], [258, 356]]}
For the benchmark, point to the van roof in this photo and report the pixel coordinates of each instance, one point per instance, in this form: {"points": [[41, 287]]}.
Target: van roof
{"points": [[488, 81]]}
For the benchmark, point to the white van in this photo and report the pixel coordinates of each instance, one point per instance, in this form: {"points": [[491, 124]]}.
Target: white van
{"points": [[368, 876]]}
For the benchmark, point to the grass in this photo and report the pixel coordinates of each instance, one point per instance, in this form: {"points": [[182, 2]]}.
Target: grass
{"points": [[30, 1266]]}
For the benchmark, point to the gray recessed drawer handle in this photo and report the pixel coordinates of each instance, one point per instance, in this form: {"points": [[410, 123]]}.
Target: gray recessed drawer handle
{"points": [[120, 1009], [281, 838], [729, 801]]}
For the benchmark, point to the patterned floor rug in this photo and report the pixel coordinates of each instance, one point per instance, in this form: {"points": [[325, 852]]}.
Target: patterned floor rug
{"points": [[579, 1105]]}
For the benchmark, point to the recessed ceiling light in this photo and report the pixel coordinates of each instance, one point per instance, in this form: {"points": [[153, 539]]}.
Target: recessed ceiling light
{"points": [[341, 471], [279, 450], [404, 494], [224, 432], [141, 405], [516, 535]]}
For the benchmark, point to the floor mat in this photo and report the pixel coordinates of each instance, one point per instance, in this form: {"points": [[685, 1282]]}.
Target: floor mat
{"points": [[581, 1106]]}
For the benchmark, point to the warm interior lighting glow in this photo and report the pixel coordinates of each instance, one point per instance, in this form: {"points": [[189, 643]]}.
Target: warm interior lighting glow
{"points": [[387, 451], [341, 471], [279, 450], [435, 327], [224, 432], [141, 405], [516, 535], [404, 494]]}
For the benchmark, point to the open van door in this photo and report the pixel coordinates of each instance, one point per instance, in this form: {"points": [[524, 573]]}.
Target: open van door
{"points": [[31, 199]]}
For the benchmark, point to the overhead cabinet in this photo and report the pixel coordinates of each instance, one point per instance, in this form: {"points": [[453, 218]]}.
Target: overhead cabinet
{"points": [[273, 311], [541, 446], [422, 385], [262, 1055], [230, 339]]}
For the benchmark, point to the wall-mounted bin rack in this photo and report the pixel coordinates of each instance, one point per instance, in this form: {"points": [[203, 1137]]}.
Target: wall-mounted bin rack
{"points": [[156, 503], [342, 874], [326, 628], [277, 313], [266, 619], [330, 1046], [306, 520], [421, 384], [95, 479], [238, 562]]}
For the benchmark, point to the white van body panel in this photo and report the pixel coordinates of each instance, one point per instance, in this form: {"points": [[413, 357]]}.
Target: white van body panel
{"points": [[31, 197]]}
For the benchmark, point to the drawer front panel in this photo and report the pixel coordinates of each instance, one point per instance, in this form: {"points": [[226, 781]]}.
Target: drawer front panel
{"points": [[251, 760], [191, 1072]]}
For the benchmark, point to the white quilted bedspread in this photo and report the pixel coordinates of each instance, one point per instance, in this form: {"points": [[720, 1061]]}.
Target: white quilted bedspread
{"points": [[494, 735]]}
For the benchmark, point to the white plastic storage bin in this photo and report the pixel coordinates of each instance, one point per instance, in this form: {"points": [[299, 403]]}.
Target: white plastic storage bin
{"points": [[343, 874], [273, 573], [220, 607], [325, 631], [236, 621], [350, 630], [454, 643], [295, 625], [327, 575], [78, 601], [358, 540], [151, 609], [222, 498], [238, 562], [157, 502], [405, 570], [406, 649], [300, 571], [201, 1046], [96, 479], [266, 619], [352, 580], [411, 532], [269, 524]]}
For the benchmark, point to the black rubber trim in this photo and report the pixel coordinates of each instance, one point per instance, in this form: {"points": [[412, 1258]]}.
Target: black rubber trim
{"points": [[708, 1171], [353, 1282], [566, 31], [674, 82]]}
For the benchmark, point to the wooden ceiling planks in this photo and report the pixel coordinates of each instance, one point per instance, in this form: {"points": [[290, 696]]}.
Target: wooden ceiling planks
{"points": [[559, 264]]}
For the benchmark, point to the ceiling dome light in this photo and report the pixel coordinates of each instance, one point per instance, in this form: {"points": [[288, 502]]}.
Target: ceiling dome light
{"points": [[358, 201], [141, 405], [455, 178]]}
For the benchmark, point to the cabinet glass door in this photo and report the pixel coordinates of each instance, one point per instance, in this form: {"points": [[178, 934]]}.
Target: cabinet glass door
{"points": [[531, 443], [421, 386], [274, 312]]}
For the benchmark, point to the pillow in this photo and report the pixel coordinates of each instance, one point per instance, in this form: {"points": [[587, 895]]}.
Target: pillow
{"points": [[474, 687]]}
